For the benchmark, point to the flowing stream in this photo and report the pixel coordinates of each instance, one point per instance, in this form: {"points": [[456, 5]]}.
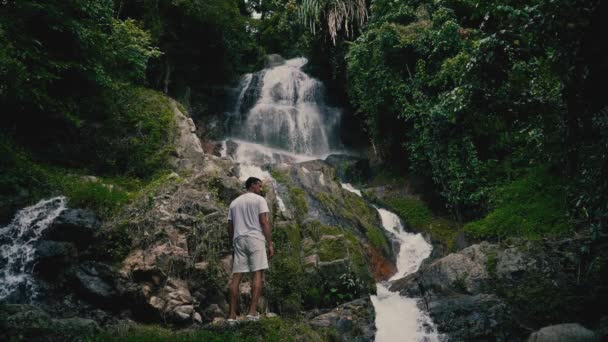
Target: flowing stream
{"points": [[17, 248], [399, 318]]}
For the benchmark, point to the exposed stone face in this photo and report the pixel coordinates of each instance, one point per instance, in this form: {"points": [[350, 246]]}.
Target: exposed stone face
{"points": [[78, 226], [188, 150], [353, 320], [496, 290], [568, 332], [473, 317]]}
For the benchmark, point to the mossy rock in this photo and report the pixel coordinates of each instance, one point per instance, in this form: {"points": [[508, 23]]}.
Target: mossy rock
{"points": [[28, 323]]}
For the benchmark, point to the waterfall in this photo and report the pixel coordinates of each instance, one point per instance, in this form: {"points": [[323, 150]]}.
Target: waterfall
{"points": [[399, 318], [17, 247], [284, 108]]}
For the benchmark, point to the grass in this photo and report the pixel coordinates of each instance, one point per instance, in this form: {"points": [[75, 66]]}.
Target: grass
{"points": [[267, 329], [532, 206]]}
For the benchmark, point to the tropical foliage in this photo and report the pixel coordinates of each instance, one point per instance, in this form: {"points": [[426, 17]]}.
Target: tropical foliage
{"points": [[472, 94]]}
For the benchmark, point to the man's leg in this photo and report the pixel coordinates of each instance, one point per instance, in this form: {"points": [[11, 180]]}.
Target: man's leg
{"points": [[233, 288], [256, 291]]}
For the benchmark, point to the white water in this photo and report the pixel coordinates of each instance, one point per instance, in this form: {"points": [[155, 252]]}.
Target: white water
{"points": [[289, 112], [350, 188], [17, 242], [399, 318]]}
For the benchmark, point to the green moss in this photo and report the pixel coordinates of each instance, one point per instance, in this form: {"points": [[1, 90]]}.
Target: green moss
{"points": [[286, 279], [412, 210], [363, 217], [280, 176], [298, 199], [532, 206], [332, 249], [377, 238]]}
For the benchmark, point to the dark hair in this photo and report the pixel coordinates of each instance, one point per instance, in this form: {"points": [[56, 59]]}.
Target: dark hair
{"points": [[250, 181]]}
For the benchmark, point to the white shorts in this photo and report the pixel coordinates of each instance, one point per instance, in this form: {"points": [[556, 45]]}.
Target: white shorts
{"points": [[249, 255]]}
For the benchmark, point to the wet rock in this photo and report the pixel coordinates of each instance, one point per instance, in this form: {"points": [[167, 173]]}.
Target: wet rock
{"points": [[78, 226], [568, 332], [52, 257]]}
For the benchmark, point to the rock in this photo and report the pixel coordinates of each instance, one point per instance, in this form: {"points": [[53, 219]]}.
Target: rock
{"points": [[197, 317], [512, 263], [350, 169], [353, 320], [78, 226], [473, 318], [567, 332], [52, 257], [311, 260], [462, 272], [188, 150], [27, 322], [228, 188], [95, 283]]}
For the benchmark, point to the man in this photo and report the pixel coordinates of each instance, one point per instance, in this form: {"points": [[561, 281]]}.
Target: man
{"points": [[249, 233]]}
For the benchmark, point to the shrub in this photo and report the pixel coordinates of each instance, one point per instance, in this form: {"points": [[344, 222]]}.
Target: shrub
{"points": [[532, 206]]}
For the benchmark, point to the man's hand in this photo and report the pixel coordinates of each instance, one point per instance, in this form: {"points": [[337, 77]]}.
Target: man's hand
{"points": [[270, 250]]}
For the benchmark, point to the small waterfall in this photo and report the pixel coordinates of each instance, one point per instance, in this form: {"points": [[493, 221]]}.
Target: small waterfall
{"points": [[289, 112], [399, 318], [17, 242]]}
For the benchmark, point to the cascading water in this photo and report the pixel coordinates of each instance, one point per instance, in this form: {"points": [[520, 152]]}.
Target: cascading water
{"points": [[280, 116], [399, 318], [17, 247]]}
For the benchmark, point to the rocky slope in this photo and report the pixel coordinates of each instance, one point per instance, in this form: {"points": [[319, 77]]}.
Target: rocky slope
{"points": [[506, 292], [166, 257]]}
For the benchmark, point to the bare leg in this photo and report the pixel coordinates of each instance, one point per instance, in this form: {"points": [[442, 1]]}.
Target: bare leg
{"points": [[233, 289], [256, 291]]}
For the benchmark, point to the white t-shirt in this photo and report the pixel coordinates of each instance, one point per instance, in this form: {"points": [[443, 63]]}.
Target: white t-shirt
{"points": [[245, 213]]}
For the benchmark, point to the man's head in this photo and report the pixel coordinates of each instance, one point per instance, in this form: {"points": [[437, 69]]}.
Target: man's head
{"points": [[254, 185]]}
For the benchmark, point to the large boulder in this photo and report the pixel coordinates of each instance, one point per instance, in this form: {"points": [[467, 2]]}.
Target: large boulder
{"points": [[96, 283], [353, 321], [480, 317], [78, 226], [462, 272], [568, 332], [53, 257]]}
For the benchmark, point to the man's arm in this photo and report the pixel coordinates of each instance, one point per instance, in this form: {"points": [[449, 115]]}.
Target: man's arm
{"points": [[266, 230], [230, 231]]}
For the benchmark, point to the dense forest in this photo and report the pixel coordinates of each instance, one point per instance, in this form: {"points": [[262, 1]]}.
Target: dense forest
{"points": [[494, 110]]}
